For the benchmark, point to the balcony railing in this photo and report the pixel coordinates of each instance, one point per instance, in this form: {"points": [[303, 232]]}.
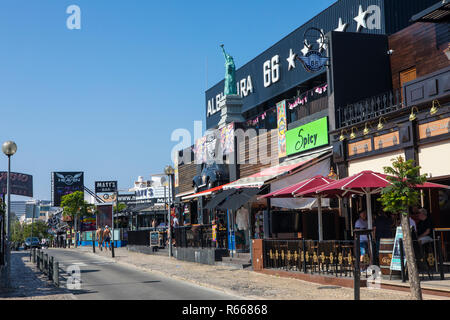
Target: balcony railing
{"points": [[369, 109]]}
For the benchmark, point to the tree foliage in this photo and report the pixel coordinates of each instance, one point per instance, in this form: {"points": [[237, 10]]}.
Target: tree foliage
{"points": [[74, 205], [401, 194], [397, 198]]}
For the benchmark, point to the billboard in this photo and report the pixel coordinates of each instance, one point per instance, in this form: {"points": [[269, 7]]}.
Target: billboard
{"points": [[104, 215], [21, 184], [66, 183], [309, 136], [105, 186], [88, 223]]}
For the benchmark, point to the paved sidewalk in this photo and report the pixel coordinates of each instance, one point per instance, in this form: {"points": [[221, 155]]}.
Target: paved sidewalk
{"points": [[244, 283], [29, 283]]}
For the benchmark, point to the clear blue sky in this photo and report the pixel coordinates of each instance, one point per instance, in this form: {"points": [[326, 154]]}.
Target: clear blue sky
{"points": [[105, 99]]}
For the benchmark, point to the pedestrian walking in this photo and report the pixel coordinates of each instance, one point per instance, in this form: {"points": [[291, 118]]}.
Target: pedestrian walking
{"points": [[99, 237], [107, 237]]}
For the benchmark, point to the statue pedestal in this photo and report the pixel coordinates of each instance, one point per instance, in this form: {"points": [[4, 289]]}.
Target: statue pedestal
{"points": [[231, 109]]}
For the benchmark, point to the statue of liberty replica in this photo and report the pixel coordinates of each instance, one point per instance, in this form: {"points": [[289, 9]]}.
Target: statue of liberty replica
{"points": [[230, 74], [231, 103]]}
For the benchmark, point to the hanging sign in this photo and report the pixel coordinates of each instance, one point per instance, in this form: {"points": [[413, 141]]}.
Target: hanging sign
{"points": [[105, 186], [282, 126], [308, 136]]}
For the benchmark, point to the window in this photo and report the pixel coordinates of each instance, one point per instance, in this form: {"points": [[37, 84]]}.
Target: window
{"points": [[406, 76]]}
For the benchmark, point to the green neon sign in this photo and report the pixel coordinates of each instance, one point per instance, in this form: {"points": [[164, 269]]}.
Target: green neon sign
{"points": [[308, 136]]}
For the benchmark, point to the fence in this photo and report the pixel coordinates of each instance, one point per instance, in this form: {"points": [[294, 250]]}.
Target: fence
{"points": [[335, 257], [368, 109], [142, 237], [200, 236], [310, 256]]}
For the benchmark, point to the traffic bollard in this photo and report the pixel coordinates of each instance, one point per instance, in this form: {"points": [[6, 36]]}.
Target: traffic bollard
{"points": [[37, 258], [50, 268], [34, 256], [56, 273], [41, 262], [45, 263]]}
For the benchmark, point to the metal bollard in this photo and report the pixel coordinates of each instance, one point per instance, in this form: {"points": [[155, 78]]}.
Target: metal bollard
{"points": [[34, 256], [45, 263], [56, 273], [37, 258], [41, 262], [50, 268]]}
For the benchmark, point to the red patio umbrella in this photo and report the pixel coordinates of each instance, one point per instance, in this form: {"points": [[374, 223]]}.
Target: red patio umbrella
{"points": [[364, 183], [287, 192], [314, 182]]}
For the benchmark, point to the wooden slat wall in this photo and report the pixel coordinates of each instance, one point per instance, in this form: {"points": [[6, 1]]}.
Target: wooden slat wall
{"points": [[421, 45], [246, 168], [185, 174]]}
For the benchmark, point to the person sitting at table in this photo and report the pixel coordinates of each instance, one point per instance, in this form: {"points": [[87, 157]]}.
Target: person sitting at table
{"points": [[424, 227]]}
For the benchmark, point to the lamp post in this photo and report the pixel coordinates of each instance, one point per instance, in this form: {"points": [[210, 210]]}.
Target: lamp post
{"points": [[169, 171], [9, 148]]}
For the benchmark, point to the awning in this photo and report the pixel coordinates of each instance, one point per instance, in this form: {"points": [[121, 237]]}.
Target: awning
{"points": [[287, 167], [187, 193], [204, 193], [239, 198], [437, 13], [218, 198]]}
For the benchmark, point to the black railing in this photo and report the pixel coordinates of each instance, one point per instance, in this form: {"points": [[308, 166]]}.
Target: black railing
{"points": [[310, 256], [337, 258], [369, 108]]}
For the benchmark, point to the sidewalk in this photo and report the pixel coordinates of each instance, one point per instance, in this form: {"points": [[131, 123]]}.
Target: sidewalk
{"points": [[28, 283], [244, 283]]}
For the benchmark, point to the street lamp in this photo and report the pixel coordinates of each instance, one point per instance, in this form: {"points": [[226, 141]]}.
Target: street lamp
{"points": [[169, 171], [9, 148]]}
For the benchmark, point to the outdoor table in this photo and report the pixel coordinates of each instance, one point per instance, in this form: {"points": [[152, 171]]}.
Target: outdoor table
{"points": [[444, 254]]}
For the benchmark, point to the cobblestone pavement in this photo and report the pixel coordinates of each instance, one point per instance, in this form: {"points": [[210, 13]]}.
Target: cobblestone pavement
{"points": [[245, 283], [29, 283]]}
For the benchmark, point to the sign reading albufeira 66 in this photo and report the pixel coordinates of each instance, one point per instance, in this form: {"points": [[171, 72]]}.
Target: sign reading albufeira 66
{"points": [[308, 136]]}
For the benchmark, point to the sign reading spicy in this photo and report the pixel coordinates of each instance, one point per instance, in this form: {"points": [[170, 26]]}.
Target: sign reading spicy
{"points": [[308, 136]]}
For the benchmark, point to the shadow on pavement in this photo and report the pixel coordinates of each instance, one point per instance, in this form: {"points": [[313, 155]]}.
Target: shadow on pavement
{"points": [[27, 281]]}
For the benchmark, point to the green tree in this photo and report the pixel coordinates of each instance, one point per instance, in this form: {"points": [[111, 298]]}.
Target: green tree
{"points": [[76, 208], [397, 198], [40, 230], [17, 232]]}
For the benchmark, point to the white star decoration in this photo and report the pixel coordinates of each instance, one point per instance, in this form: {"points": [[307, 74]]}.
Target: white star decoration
{"points": [[341, 27], [321, 42], [305, 49], [291, 59], [361, 19]]}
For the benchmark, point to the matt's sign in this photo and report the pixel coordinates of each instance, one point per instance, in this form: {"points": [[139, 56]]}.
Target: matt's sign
{"points": [[308, 136], [105, 186]]}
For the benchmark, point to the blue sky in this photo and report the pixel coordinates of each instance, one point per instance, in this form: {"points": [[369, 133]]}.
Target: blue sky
{"points": [[105, 99]]}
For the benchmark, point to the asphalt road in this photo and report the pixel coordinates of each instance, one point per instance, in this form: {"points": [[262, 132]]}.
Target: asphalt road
{"points": [[104, 279]]}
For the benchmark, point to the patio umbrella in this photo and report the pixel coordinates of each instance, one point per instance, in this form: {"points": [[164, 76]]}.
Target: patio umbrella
{"points": [[288, 192], [363, 183]]}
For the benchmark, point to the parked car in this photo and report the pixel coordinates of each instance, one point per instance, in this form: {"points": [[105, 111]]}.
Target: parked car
{"points": [[32, 243], [212, 175]]}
